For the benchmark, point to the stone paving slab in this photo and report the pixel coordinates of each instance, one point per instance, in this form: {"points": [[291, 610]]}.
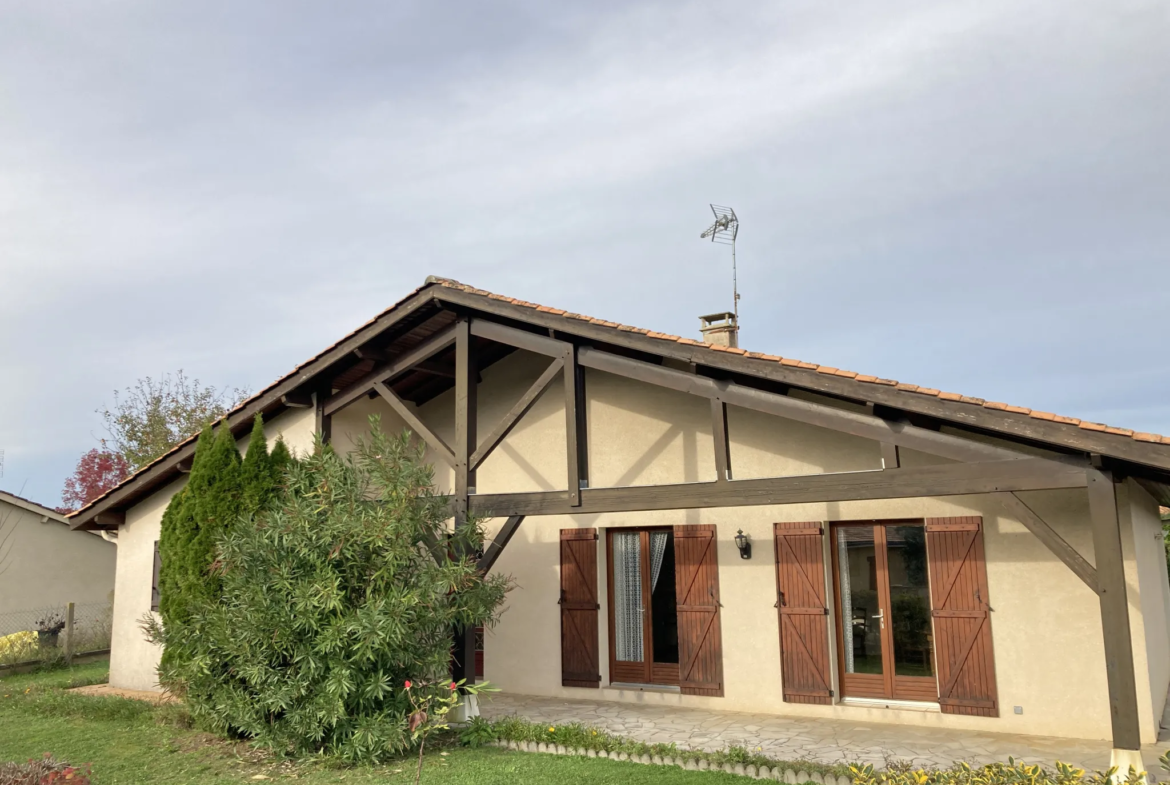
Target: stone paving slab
{"points": [[803, 738]]}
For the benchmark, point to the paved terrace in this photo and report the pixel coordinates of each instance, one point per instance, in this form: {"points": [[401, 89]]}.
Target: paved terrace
{"points": [[820, 740]]}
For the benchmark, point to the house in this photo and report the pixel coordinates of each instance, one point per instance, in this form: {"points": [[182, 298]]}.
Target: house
{"points": [[44, 564], [693, 524]]}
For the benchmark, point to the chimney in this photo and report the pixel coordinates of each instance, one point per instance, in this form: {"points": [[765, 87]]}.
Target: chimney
{"points": [[720, 329]]}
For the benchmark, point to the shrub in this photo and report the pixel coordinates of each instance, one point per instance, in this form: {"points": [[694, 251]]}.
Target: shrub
{"points": [[332, 600], [1011, 773], [45, 771]]}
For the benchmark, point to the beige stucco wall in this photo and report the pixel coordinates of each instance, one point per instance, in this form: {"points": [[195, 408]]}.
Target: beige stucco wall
{"points": [[44, 564], [1046, 625], [134, 659]]}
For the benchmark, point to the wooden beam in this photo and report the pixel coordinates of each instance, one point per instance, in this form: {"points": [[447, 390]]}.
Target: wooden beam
{"points": [[466, 407], [503, 537], [722, 440], [436, 343], [582, 429], [521, 339], [855, 423], [1104, 506], [163, 470], [465, 418], [184, 466], [940, 480], [891, 458], [572, 426], [323, 423], [298, 400], [512, 418], [1020, 510], [415, 424], [962, 413], [109, 519]]}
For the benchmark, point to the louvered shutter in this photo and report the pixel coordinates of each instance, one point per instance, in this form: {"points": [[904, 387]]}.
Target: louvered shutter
{"points": [[804, 615], [962, 616], [700, 640], [579, 643]]}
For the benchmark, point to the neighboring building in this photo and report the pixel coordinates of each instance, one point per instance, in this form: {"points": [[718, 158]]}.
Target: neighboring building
{"points": [[908, 555], [44, 564]]}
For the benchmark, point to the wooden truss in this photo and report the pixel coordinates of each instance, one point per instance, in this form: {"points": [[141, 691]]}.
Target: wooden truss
{"points": [[976, 467]]}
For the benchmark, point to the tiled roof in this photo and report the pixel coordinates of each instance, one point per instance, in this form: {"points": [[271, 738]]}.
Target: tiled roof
{"points": [[785, 361], [826, 369]]}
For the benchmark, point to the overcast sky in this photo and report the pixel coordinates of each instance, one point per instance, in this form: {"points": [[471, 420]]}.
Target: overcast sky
{"points": [[973, 196]]}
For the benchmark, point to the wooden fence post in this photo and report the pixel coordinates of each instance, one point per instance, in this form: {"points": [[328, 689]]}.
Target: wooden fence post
{"points": [[69, 633]]}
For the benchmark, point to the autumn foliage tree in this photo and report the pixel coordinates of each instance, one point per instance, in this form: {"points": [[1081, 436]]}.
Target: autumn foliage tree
{"points": [[96, 473]]}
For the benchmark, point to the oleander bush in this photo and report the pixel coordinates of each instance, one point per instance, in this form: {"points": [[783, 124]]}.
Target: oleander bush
{"points": [[334, 600]]}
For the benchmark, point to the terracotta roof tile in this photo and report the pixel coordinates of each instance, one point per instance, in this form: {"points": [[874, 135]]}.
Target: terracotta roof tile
{"points": [[785, 361]]}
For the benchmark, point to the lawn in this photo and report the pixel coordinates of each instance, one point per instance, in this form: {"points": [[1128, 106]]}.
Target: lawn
{"points": [[132, 742]]}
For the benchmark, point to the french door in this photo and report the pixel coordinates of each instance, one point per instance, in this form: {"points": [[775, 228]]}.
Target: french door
{"points": [[643, 611], [885, 640]]}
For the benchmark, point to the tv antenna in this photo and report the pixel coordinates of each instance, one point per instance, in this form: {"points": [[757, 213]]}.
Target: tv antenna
{"points": [[724, 232]]}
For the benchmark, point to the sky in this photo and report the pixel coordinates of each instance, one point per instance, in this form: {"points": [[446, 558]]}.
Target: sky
{"points": [[971, 195]]}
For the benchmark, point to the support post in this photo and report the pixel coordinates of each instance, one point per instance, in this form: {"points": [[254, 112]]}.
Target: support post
{"points": [[324, 422], [1123, 707], [463, 654], [576, 440], [69, 633], [722, 440]]}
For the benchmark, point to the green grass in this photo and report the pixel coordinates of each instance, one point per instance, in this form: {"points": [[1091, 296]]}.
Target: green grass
{"points": [[133, 742]]}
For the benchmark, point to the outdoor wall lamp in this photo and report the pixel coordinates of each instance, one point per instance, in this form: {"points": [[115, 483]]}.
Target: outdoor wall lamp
{"points": [[744, 544]]}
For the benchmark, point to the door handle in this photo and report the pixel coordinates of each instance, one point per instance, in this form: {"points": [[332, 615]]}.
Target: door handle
{"points": [[881, 615]]}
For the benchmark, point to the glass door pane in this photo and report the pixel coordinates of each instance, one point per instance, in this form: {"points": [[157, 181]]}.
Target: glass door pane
{"points": [[909, 601], [627, 597], [663, 602], [857, 586]]}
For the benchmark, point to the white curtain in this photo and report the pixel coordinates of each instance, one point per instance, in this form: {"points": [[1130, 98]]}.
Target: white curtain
{"points": [[657, 552], [846, 621], [627, 596]]}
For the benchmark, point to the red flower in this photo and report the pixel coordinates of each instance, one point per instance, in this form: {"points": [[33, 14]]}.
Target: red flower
{"points": [[454, 685], [408, 684]]}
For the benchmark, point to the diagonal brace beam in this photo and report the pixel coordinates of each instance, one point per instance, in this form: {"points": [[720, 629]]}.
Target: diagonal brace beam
{"points": [[1045, 533], [512, 418], [488, 560], [428, 348], [416, 425]]}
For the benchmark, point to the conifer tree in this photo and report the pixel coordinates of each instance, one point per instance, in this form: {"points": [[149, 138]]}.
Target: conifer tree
{"points": [[217, 505], [257, 475], [178, 531]]}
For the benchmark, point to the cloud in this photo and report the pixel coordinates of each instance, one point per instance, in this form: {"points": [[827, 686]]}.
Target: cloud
{"points": [[967, 195]]}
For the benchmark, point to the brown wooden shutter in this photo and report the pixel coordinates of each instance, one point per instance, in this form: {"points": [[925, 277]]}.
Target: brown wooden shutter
{"points": [[804, 615], [580, 663], [962, 616], [154, 578], [700, 639]]}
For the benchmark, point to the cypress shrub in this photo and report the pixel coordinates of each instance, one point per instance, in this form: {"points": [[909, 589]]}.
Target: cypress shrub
{"points": [[258, 475], [333, 607]]}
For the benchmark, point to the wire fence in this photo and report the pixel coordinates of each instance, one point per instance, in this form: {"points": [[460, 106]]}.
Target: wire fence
{"points": [[46, 635]]}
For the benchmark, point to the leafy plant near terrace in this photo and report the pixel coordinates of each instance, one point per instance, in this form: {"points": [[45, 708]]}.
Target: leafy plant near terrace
{"points": [[1011, 773], [332, 599]]}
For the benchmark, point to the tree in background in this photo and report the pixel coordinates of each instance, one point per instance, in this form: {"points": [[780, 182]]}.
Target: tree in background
{"points": [[153, 416], [336, 615], [96, 473]]}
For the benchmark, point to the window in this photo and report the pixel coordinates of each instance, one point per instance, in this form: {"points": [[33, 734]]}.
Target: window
{"points": [[643, 617]]}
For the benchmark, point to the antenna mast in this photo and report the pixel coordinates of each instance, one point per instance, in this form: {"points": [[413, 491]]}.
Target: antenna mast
{"points": [[724, 231]]}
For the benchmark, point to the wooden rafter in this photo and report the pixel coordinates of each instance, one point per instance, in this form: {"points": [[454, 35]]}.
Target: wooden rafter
{"points": [[415, 424], [512, 418], [428, 348], [941, 480], [721, 439], [572, 426]]}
